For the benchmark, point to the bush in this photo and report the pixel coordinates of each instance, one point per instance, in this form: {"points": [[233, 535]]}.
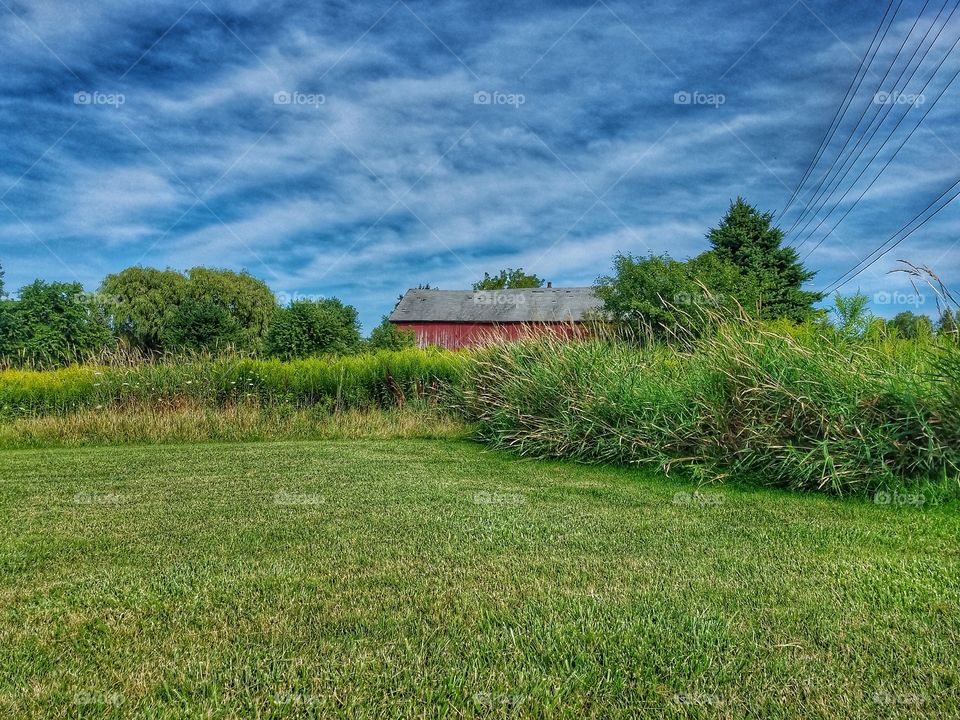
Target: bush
{"points": [[309, 327], [368, 380], [804, 408]]}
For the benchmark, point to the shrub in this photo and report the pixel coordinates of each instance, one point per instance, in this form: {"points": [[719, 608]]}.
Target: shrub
{"points": [[310, 327], [804, 408]]}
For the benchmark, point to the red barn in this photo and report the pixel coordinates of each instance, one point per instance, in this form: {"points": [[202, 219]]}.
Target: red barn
{"points": [[466, 318]]}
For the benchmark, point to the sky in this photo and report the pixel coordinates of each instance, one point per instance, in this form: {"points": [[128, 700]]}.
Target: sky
{"points": [[359, 149]]}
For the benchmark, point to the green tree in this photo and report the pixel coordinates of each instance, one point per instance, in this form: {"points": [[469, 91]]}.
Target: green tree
{"points": [[307, 327], [670, 297], [201, 325], [508, 279], [53, 324], [948, 322], [911, 326], [387, 336], [142, 303], [853, 316], [247, 300], [747, 239]]}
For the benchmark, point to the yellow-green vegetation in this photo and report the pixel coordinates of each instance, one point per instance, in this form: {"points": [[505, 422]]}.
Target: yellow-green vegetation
{"points": [[437, 580], [799, 406], [367, 380], [246, 422]]}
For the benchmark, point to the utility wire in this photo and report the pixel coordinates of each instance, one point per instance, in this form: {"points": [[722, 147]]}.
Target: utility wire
{"points": [[850, 161], [879, 149], [826, 177], [845, 103]]}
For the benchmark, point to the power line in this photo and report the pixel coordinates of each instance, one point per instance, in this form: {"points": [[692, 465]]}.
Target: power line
{"points": [[892, 242], [885, 166], [850, 161], [877, 152], [845, 103], [825, 178]]}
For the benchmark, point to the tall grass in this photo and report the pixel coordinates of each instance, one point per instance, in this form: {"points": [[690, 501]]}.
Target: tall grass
{"points": [[801, 407], [371, 380]]}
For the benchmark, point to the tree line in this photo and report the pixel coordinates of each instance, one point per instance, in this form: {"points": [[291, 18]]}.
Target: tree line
{"points": [[154, 312]]}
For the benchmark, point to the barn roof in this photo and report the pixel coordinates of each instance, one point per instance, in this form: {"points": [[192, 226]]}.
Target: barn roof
{"points": [[496, 306]]}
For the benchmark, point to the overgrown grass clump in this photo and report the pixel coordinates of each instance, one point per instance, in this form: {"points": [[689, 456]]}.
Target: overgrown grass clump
{"points": [[801, 407], [371, 380]]}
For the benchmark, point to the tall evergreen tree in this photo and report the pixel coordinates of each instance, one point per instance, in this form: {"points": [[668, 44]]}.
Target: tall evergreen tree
{"points": [[748, 239]]}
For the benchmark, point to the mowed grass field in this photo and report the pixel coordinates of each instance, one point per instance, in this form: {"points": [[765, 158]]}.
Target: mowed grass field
{"points": [[416, 578]]}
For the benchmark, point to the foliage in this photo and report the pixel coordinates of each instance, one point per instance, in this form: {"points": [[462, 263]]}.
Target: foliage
{"points": [[142, 303], [145, 307], [800, 406], [52, 323], [911, 326], [853, 318], [309, 327], [747, 238], [367, 380], [507, 280], [202, 325], [670, 298], [247, 300], [387, 336]]}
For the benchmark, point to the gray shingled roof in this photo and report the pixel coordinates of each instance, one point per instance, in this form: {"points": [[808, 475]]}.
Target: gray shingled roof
{"points": [[496, 306]]}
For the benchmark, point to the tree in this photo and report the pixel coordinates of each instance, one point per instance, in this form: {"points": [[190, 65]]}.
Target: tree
{"points": [[53, 323], [145, 308], [247, 300], [201, 325], [911, 326], [308, 327], [853, 317], [387, 336], [671, 297], [747, 239], [947, 324], [508, 279], [142, 303]]}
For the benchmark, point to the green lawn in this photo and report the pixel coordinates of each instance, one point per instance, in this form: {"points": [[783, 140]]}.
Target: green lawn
{"points": [[432, 579]]}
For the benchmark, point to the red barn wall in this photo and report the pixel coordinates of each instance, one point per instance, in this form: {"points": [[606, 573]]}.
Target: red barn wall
{"points": [[455, 335]]}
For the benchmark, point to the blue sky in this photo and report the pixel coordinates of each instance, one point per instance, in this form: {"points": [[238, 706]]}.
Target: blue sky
{"points": [[357, 149]]}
